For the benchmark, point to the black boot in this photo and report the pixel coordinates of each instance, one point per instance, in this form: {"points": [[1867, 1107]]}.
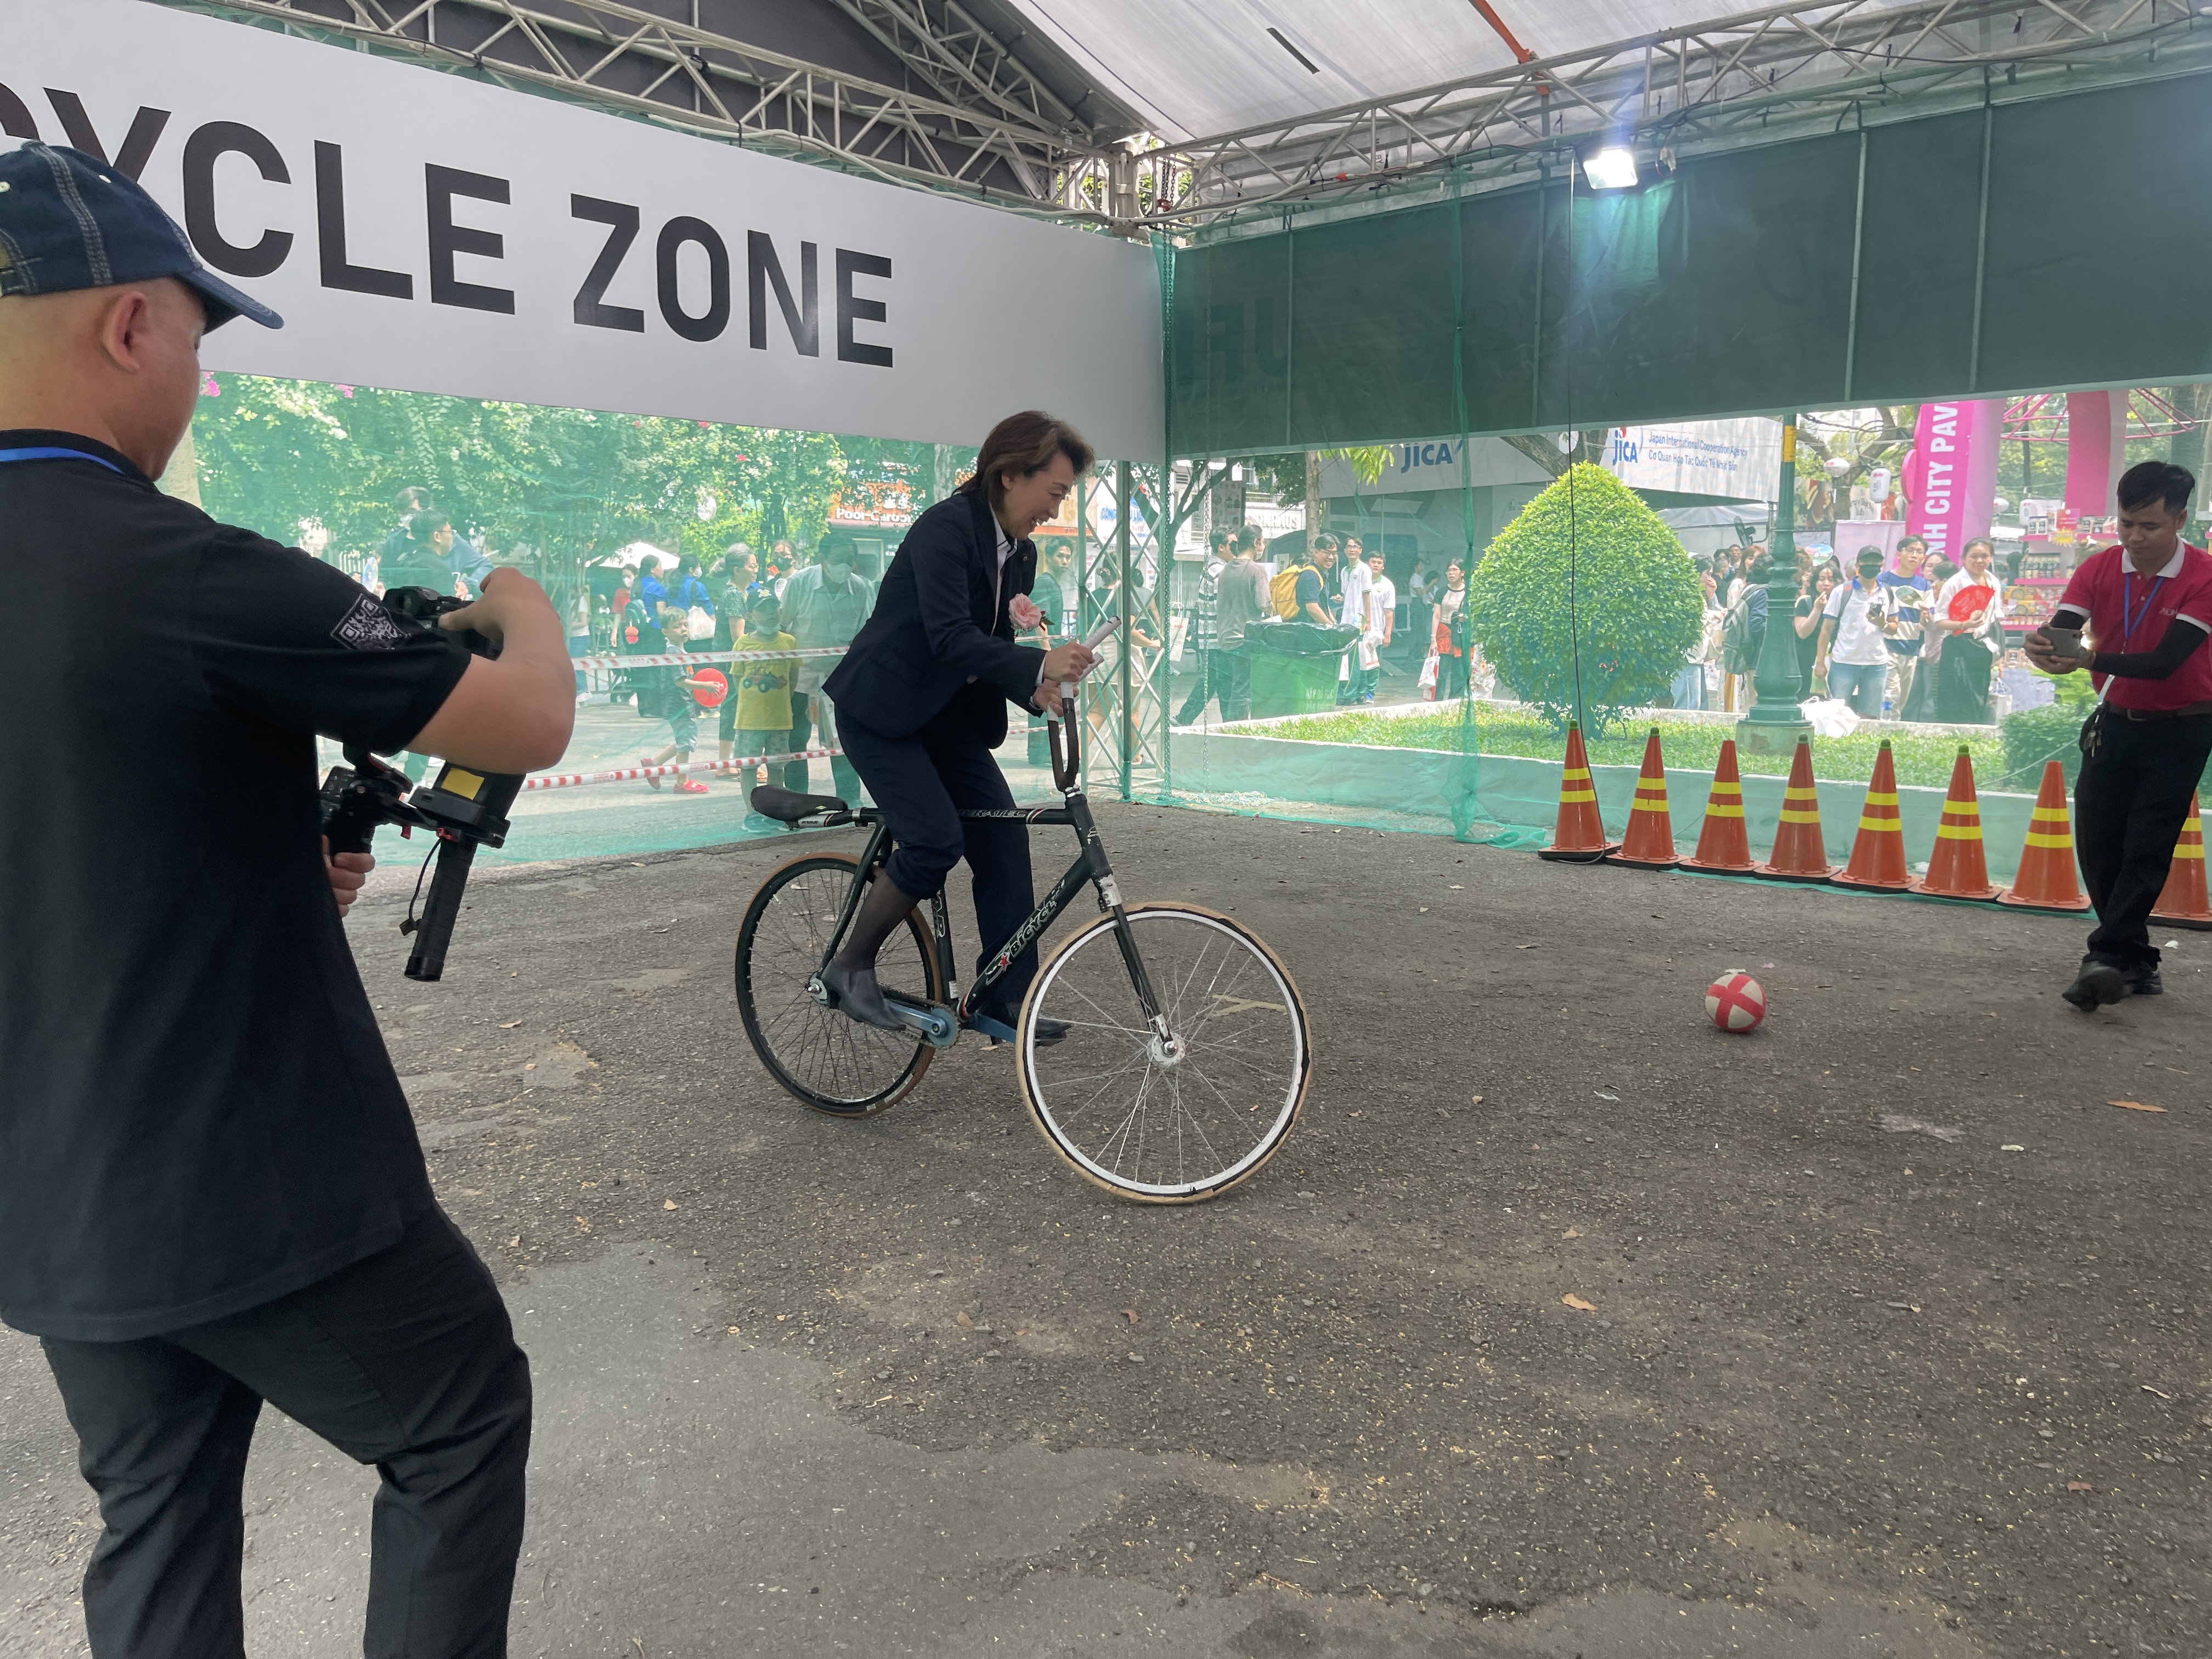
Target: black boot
{"points": [[2099, 983], [851, 974]]}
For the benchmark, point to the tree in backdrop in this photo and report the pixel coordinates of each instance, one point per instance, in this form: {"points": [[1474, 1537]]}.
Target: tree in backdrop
{"points": [[1586, 603], [554, 489]]}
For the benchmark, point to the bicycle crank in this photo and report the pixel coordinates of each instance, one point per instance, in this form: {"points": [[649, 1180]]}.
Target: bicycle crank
{"points": [[931, 1020]]}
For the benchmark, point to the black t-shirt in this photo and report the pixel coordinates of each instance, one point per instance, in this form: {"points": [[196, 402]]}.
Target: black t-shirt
{"points": [[1310, 590], [197, 1111]]}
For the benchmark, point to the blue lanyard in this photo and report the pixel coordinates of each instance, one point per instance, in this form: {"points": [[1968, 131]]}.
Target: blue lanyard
{"points": [[52, 454], [2128, 615]]}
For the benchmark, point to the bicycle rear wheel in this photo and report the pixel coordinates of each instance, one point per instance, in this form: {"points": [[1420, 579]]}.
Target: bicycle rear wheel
{"points": [[832, 1063], [1167, 1124]]}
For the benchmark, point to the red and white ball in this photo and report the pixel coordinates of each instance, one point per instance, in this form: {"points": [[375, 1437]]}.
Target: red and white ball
{"points": [[1737, 1002]]}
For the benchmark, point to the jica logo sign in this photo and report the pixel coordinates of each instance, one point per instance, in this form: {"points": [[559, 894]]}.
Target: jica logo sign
{"points": [[1410, 458], [1621, 449]]}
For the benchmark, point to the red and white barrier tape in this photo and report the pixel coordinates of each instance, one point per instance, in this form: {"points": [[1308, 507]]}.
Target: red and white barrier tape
{"points": [[684, 658], [634, 774]]}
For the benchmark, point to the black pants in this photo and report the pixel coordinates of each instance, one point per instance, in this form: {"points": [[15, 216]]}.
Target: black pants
{"points": [[404, 1360], [922, 782], [806, 707], [1208, 685], [1232, 672], [2129, 806]]}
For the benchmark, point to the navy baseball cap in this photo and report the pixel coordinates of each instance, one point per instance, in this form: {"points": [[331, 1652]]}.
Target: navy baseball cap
{"points": [[69, 221]]}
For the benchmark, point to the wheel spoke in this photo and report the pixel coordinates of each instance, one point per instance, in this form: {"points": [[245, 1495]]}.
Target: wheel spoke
{"points": [[1168, 1121]]}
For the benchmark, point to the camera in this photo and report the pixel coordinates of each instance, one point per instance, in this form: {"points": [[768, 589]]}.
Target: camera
{"points": [[464, 809]]}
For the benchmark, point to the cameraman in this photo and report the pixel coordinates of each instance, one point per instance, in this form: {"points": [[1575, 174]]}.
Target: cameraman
{"points": [[212, 1193]]}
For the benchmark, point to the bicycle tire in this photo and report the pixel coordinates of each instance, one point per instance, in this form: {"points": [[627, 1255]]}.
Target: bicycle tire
{"points": [[818, 1055], [1047, 1075]]}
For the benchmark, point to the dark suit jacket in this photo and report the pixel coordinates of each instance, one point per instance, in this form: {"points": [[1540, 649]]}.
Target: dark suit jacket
{"points": [[934, 634]]}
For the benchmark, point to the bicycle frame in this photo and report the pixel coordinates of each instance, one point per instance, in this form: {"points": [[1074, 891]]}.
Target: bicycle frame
{"points": [[1090, 866]]}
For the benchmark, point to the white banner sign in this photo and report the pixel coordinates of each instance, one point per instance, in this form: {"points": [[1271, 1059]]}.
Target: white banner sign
{"points": [[433, 233], [1434, 464], [1737, 460]]}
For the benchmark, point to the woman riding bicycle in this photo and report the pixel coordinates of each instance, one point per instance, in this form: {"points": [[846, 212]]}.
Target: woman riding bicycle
{"points": [[921, 700]]}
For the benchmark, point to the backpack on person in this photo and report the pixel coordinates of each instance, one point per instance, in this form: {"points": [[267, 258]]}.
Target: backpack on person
{"points": [[1283, 591], [1736, 635]]}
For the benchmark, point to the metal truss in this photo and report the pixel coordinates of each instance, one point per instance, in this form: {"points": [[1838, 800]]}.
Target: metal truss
{"points": [[1754, 73], [981, 125]]}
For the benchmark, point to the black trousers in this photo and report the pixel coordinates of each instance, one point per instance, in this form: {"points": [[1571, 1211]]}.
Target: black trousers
{"points": [[1207, 685], [2129, 806], [404, 1360], [1232, 672], [922, 782], [806, 707]]}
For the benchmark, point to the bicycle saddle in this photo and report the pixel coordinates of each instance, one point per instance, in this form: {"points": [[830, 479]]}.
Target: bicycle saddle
{"points": [[786, 807]]}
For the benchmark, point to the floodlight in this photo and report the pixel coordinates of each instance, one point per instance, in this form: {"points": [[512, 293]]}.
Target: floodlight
{"points": [[1613, 168]]}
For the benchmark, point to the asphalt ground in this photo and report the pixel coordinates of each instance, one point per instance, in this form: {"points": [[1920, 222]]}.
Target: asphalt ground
{"points": [[909, 1386]]}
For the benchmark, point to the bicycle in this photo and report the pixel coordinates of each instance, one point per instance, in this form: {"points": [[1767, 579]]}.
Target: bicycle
{"points": [[1167, 1098]]}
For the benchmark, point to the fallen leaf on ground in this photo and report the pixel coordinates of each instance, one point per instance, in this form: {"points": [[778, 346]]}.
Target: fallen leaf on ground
{"points": [[1475, 1099], [582, 1225], [515, 1243], [1898, 1124], [2079, 1486], [1129, 1313], [510, 1025], [1573, 1232], [962, 1320], [667, 1203], [733, 1330], [1578, 1304], [2134, 1106]]}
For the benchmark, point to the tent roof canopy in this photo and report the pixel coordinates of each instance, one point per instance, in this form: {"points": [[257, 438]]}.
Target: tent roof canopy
{"points": [[1234, 104]]}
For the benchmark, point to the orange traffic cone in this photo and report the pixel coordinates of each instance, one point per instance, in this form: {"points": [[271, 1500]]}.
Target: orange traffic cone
{"points": [[2182, 902], [1649, 843], [2047, 879], [1800, 853], [1580, 835], [1957, 868], [1878, 854], [1722, 843]]}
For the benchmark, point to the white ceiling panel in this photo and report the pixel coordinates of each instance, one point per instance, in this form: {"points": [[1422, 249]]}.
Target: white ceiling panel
{"points": [[1196, 70]]}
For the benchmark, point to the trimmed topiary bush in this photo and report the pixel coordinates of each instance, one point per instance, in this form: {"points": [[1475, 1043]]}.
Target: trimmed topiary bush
{"points": [[1639, 607]]}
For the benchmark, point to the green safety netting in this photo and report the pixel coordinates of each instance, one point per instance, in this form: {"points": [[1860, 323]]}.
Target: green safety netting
{"points": [[1569, 394]]}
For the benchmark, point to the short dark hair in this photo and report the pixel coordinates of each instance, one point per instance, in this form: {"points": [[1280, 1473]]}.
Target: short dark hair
{"points": [[1920, 542], [413, 499], [1250, 536], [837, 542], [1324, 543], [1025, 443], [2156, 481], [421, 527]]}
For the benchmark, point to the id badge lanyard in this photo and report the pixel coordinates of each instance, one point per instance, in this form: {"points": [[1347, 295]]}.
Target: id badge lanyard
{"points": [[48, 452], [2129, 619]]}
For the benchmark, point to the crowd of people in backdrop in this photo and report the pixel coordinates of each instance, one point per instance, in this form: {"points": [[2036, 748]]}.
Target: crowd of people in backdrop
{"points": [[1907, 636], [1874, 631]]}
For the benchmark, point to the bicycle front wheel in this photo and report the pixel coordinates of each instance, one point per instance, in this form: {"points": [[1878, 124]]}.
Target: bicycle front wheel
{"points": [[831, 1062], [1172, 1122]]}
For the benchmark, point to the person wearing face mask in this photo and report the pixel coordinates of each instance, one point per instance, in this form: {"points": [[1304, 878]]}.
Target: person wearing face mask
{"points": [[921, 701], [824, 605]]}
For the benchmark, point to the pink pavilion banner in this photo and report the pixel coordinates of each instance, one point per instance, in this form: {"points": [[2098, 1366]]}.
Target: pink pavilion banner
{"points": [[1950, 478]]}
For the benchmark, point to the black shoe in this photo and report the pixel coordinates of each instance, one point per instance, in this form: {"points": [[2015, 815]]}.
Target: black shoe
{"points": [[2144, 983], [1049, 1031], [859, 997], [2099, 983]]}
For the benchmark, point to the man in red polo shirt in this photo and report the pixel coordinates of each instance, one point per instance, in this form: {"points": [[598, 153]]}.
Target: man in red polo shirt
{"points": [[2147, 607]]}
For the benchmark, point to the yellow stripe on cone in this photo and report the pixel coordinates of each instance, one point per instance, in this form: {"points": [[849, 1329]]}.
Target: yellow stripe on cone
{"points": [[1649, 842], [1958, 868]]}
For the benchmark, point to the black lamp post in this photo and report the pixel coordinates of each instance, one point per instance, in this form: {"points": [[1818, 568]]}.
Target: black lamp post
{"points": [[1775, 721]]}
